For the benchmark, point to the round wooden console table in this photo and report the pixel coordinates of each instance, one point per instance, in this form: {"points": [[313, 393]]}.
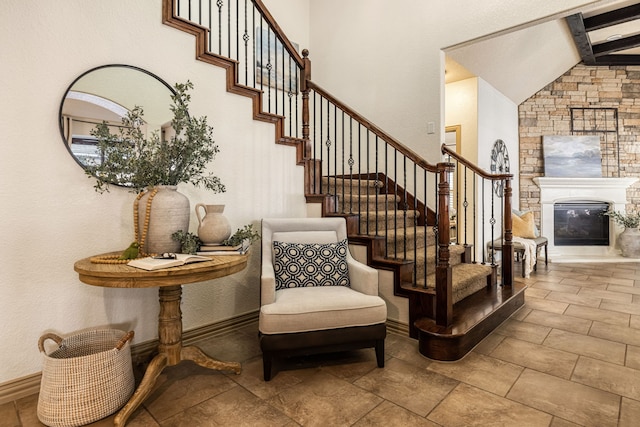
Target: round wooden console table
{"points": [[169, 281]]}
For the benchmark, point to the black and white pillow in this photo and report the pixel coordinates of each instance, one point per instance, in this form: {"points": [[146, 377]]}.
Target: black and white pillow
{"points": [[310, 264]]}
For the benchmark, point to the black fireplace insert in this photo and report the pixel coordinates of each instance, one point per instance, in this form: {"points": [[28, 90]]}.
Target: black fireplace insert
{"points": [[581, 223]]}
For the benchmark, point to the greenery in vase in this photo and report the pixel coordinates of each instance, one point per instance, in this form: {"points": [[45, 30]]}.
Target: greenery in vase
{"points": [[189, 242], [131, 160], [242, 234], [627, 220]]}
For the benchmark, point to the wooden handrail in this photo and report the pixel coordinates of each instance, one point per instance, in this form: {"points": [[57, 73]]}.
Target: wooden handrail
{"points": [[404, 150], [277, 30], [476, 169]]}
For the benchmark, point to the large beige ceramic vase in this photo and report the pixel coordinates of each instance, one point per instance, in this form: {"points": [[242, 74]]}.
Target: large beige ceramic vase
{"points": [[629, 242], [170, 211]]}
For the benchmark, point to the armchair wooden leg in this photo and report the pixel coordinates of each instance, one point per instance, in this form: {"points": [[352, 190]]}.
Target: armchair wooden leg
{"points": [[380, 353], [266, 366]]}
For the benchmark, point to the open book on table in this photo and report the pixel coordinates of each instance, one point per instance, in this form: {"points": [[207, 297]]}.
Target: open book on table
{"points": [[157, 263]]}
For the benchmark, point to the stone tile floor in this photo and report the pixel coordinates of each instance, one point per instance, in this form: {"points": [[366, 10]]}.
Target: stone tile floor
{"points": [[569, 357]]}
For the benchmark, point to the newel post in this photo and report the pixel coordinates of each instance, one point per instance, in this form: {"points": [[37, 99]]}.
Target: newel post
{"points": [[507, 246], [444, 292], [313, 167]]}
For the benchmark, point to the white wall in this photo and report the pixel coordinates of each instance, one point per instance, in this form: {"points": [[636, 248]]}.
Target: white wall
{"points": [[51, 215], [485, 115], [461, 108], [498, 119]]}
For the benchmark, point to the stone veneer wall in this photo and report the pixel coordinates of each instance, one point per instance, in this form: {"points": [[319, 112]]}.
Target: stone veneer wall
{"points": [[547, 113]]}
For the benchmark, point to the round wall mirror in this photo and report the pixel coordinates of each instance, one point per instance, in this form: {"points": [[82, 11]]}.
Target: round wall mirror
{"points": [[107, 94]]}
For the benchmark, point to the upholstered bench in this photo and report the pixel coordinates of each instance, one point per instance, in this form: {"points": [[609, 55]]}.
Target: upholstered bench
{"points": [[518, 250]]}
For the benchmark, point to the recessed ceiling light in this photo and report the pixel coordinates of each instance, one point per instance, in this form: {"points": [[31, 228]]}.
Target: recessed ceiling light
{"points": [[614, 37]]}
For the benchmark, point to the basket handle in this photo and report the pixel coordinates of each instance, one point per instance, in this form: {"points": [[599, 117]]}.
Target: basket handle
{"points": [[124, 339], [45, 337]]}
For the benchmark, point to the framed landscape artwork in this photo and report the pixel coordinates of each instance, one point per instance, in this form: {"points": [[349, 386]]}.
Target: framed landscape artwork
{"points": [[572, 156]]}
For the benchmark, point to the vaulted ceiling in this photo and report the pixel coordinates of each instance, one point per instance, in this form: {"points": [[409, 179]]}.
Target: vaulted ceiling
{"points": [[520, 62]]}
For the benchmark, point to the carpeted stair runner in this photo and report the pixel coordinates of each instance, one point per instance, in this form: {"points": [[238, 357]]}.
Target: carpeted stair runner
{"points": [[380, 215]]}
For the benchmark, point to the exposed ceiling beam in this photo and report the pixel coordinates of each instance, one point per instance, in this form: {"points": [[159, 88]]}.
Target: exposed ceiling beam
{"points": [[614, 17], [601, 49], [580, 38], [618, 60]]}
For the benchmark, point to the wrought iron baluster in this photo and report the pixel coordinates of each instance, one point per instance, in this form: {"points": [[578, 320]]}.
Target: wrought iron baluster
{"points": [[219, 3], [254, 50], [492, 221], [295, 83], [405, 208], [426, 226], [465, 205], [297, 111], [245, 37], [360, 177], [377, 168], [209, 48], [386, 208], [375, 183], [415, 222], [315, 147], [229, 30], [475, 222], [335, 158], [328, 145], [321, 127], [237, 32], [284, 77], [484, 261], [269, 66], [262, 66], [342, 164], [290, 93], [276, 48], [350, 164], [395, 207]]}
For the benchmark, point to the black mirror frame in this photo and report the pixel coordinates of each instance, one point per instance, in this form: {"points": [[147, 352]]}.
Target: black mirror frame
{"points": [[64, 97]]}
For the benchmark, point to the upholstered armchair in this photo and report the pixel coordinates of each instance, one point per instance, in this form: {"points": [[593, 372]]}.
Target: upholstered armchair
{"points": [[315, 297]]}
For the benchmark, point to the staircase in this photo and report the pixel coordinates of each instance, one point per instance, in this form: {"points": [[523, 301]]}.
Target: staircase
{"points": [[395, 202]]}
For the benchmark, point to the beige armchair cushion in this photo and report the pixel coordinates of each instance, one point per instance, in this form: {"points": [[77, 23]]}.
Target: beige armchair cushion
{"points": [[318, 308]]}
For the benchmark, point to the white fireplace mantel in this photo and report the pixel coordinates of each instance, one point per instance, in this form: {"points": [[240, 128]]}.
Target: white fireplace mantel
{"points": [[554, 190]]}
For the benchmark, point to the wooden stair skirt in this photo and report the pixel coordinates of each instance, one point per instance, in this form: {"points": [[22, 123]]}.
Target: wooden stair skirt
{"points": [[474, 318]]}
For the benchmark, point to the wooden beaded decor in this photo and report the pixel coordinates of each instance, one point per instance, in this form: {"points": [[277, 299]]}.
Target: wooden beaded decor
{"points": [[115, 259]]}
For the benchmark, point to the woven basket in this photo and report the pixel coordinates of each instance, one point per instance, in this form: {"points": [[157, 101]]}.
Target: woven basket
{"points": [[88, 377]]}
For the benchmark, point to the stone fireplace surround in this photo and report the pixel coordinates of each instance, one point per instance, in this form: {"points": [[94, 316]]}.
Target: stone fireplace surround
{"points": [[609, 190]]}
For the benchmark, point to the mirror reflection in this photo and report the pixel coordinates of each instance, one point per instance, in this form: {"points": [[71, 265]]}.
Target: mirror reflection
{"points": [[107, 94]]}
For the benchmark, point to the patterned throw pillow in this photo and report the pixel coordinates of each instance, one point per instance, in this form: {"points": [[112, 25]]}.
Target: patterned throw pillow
{"points": [[310, 264]]}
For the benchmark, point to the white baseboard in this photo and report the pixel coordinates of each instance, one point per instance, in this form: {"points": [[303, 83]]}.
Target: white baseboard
{"points": [[26, 386]]}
